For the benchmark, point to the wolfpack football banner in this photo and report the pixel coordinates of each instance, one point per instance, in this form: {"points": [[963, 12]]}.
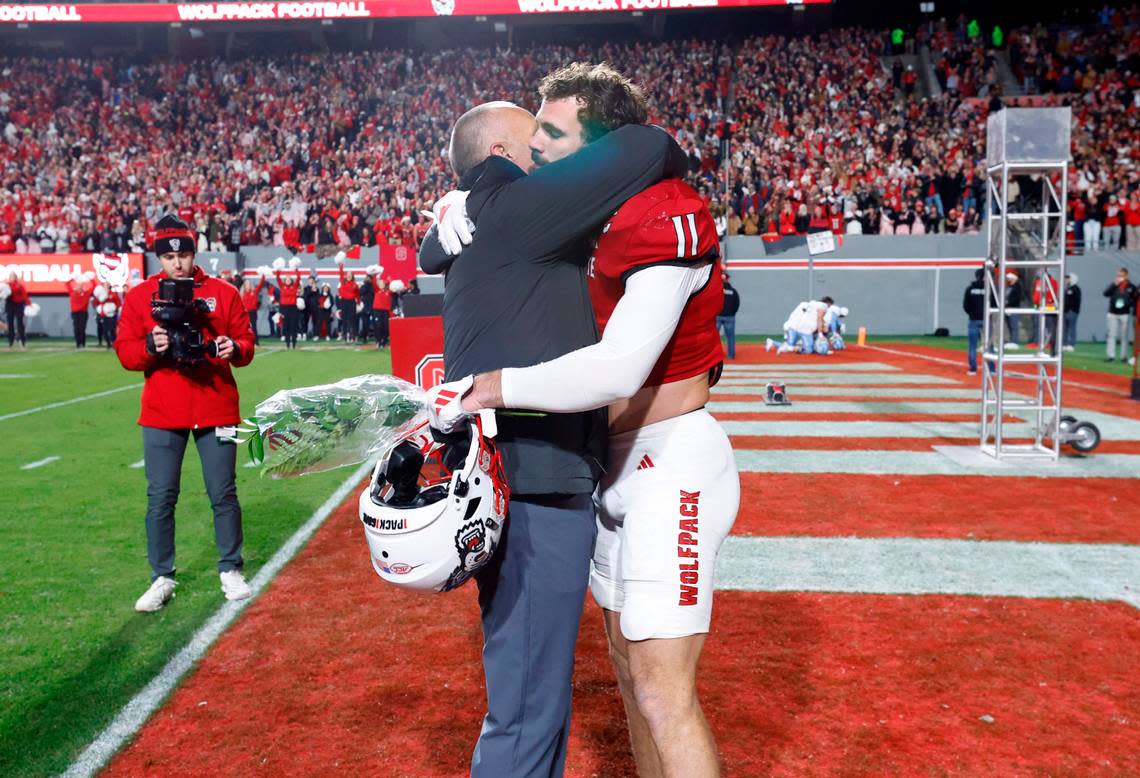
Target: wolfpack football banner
{"points": [[360, 9], [49, 273]]}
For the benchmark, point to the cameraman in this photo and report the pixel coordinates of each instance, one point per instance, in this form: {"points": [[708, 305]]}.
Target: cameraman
{"points": [[183, 396]]}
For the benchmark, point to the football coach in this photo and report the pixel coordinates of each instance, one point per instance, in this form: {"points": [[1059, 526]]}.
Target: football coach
{"points": [[517, 296], [184, 330]]}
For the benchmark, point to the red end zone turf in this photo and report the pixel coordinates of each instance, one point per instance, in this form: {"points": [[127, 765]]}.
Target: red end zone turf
{"points": [[1095, 510], [333, 673]]}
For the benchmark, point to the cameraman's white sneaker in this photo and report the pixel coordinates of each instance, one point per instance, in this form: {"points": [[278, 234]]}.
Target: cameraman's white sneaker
{"points": [[234, 585], [161, 591]]}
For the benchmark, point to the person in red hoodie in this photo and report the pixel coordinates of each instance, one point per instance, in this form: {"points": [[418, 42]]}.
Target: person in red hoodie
{"points": [[381, 309], [289, 285], [108, 311], [14, 306], [349, 294], [251, 301], [79, 291], [184, 398]]}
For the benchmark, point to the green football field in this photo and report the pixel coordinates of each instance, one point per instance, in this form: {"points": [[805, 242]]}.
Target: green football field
{"points": [[73, 559]]}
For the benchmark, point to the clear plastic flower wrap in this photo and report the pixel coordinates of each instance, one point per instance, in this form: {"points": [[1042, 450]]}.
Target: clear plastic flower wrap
{"points": [[315, 428]]}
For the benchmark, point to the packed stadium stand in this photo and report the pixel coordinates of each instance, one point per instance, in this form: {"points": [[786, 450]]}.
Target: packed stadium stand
{"points": [[786, 133]]}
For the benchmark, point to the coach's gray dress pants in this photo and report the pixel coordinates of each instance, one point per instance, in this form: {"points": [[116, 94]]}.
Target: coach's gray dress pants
{"points": [[162, 453], [531, 597]]}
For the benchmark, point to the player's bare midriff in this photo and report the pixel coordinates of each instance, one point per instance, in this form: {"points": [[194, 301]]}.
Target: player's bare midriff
{"points": [[652, 404]]}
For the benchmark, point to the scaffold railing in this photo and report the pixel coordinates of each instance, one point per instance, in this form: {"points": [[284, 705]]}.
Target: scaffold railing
{"points": [[1026, 193]]}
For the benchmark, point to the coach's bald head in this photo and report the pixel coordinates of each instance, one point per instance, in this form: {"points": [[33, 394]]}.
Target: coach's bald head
{"points": [[492, 129]]}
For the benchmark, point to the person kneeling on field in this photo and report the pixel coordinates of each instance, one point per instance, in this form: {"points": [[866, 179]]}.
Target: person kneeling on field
{"points": [[808, 328], [184, 329]]}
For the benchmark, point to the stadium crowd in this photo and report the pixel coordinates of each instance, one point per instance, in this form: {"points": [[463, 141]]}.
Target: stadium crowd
{"points": [[323, 151], [309, 150]]}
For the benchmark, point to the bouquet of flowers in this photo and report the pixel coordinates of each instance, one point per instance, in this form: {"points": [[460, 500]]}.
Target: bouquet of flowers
{"points": [[315, 428]]}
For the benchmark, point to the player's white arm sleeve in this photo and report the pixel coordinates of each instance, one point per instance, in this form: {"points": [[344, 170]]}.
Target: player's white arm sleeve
{"points": [[615, 367]]}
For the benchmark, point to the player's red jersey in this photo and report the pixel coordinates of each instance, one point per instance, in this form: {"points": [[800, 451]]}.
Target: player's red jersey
{"points": [[667, 224]]}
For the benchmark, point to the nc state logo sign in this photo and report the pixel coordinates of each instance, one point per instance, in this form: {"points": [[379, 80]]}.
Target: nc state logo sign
{"points": [[429, 371]]}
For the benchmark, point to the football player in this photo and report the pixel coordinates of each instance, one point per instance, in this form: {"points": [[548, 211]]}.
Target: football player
{"points": [[806, 328], [671, 492]]}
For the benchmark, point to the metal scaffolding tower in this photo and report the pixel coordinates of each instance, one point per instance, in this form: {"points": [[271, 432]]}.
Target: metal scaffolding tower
{"points": [[1027, 158]]}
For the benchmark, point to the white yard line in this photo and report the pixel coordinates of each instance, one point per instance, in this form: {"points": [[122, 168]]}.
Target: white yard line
{"points": [[135, 713], [45, 354], [930, 566], [72, 401], [39, 463], [942, 460], [958, 363], [139, 464]]}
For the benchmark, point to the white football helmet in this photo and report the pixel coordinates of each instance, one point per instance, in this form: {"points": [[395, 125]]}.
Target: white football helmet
{"points": [[433, 514]]}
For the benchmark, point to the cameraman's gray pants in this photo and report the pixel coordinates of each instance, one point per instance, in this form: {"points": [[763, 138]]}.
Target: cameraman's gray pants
{"points": [[531, 597], [162, 453]]}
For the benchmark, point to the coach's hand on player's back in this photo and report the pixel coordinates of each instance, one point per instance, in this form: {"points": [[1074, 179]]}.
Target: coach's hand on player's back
{"points": [[453, 228]]}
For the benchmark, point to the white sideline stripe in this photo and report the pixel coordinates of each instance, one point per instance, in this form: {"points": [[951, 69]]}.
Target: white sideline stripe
{"points": [[958, 363], [72, 401], [39, 463], [930, 566], [135, 713], [13, 376], [943, 460]]}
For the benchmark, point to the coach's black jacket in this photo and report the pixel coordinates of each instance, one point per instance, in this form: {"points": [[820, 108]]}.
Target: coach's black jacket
{"points": [[517, 294]]}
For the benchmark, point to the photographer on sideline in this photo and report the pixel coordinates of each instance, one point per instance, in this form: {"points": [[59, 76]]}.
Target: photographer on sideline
{"points": [[189, 389]]}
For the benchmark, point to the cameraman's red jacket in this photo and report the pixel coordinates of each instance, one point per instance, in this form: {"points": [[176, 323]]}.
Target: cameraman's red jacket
{"points": [[188, 398]]}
